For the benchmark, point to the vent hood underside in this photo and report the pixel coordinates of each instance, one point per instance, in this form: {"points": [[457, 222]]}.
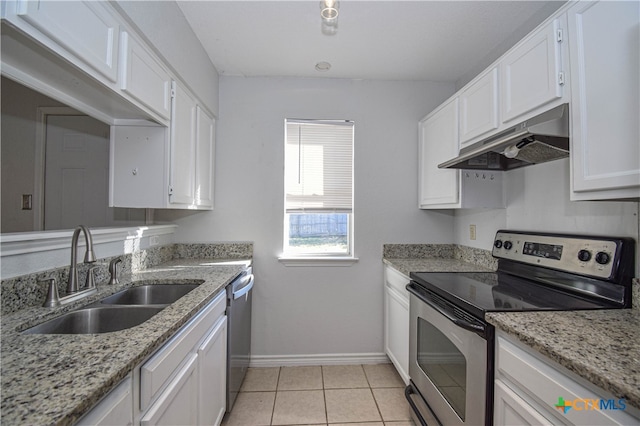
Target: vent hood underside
{"points": [[538, 140]]}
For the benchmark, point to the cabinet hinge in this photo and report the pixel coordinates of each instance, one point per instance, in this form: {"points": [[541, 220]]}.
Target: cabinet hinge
{"points": [[170, 190], [173, 93], [561, 78], [559, 36]]}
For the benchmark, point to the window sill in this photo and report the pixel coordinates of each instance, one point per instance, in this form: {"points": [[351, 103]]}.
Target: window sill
{"points": [[318, 261]]}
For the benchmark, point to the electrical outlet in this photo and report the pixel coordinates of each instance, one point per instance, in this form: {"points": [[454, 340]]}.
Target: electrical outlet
{"points": [[154, 240], [472, 232]]}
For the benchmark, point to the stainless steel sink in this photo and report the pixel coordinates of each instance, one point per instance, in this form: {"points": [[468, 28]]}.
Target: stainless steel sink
{"points": [[158, 294], [96, 320]]}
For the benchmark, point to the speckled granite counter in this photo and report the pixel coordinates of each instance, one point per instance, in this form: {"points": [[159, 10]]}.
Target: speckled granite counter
{"points": [[602, 347], [407, 258], [55, 379]]}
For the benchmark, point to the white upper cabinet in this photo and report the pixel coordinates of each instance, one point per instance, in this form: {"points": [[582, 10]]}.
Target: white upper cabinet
{"points": [[531, 74], [87, 29], [479, 108], [451, 188], [205, 153], [159, 167], [183, 135], [144, 77], [439, 188], [605, 108]]}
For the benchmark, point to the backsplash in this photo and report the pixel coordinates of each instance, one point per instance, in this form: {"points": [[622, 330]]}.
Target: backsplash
{"points": [[29, 290]]}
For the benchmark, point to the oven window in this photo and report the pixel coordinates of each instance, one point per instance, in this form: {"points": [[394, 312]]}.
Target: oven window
{"points": [[443, 364]]}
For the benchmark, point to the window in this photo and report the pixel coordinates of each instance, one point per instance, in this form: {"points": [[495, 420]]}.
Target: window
{"points": [[318, 218]]}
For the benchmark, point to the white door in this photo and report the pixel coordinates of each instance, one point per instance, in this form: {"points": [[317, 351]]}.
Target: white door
{"points": [[212, 362], [77, 175], [183, 125], [76, 171]]}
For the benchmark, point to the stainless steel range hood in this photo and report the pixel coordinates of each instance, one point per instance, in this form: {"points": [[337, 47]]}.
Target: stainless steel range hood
{"points": [[540, 139]]}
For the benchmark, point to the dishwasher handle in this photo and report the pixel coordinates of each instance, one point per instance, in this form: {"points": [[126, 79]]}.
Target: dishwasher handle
{"points": [[244, 287]]}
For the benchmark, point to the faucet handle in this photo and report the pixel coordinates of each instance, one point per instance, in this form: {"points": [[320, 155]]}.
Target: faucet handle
{"points": [[113, 270], [52, 300], [91, 279]]}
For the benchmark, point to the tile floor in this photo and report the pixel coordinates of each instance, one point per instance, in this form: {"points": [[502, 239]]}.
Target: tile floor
{"points": [[356, 395]]}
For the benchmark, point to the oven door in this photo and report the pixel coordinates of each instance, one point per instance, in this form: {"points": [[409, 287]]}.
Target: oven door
{"points": [[448, 354]]}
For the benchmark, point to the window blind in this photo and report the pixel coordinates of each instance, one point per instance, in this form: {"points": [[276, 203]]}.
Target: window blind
{"points": [[319, 166]]}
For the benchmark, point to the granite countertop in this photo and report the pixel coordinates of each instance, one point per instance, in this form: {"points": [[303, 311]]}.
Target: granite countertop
{"points": [[406, 266], [602, 347], [55, 379]]}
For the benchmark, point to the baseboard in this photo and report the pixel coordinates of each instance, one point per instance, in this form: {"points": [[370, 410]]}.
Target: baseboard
{"points": [[317, 359]]}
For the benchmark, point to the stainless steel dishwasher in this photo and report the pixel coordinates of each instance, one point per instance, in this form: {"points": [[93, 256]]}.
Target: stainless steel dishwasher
{"points": [[238, 332]]}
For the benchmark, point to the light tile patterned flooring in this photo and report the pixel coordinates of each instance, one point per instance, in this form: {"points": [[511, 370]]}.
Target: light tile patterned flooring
{"points": [[355, 395]]}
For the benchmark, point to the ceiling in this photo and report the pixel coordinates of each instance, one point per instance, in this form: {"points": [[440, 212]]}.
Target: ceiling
{"points": [[393, 40]]}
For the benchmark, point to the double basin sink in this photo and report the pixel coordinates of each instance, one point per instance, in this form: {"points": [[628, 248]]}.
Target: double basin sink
{"points": [[125, 309]]}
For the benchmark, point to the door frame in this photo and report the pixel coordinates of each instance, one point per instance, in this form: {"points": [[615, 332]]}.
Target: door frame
{"points": [[40, 159]]}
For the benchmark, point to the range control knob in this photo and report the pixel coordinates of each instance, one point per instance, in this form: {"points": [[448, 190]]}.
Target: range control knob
{"points": [[497, 243], [584, 255], [508, 245], [602, 258]]}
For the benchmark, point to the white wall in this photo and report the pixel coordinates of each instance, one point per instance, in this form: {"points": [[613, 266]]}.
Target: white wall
{"points": [[538, 200], [318, 310]]}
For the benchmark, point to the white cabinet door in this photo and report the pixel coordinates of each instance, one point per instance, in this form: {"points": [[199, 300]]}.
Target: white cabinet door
{"points": [[85, 28], [510, 409], [212, 363], [604, 52], [396, 321], [178, 403], [114, 409], [530, 73], [205, 151], [144, 77], [183, 125], [439, 188], [479, 107]]}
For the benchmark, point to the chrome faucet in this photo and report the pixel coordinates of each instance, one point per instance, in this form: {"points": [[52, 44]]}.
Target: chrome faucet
{"points": [[113, 270], [89, 257]]}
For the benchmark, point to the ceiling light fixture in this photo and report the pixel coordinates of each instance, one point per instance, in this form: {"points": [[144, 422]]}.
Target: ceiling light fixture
{"points": [[329, 11], [329, 14]]}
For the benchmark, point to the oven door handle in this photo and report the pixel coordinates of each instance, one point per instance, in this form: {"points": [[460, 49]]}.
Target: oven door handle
{"points": [[475, 328]]}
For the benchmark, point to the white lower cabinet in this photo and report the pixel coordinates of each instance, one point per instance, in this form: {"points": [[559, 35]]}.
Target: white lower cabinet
{"points": [[532, 390], [396, 320], [115, 409], [212, 393]]}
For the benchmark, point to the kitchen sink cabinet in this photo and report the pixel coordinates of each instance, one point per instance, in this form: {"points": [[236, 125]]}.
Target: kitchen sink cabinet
{"points": [[184, 382], [529, 388], [451, 188], [604, 49], [160, 167], [396, 320]]}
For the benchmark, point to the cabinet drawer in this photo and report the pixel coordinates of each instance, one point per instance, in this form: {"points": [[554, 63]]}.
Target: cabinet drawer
{"points": [[155, 373], [115, 409], [178, 404], [546, 384]]}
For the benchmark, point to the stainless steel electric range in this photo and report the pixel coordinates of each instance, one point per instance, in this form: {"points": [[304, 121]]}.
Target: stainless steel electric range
{"points": [[451, 362]]}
